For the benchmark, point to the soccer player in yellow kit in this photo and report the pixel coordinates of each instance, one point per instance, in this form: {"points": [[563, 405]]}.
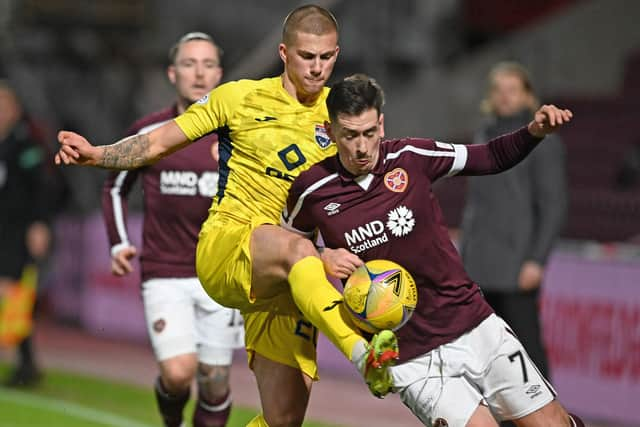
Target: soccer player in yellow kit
{"points": [[269, 130]]}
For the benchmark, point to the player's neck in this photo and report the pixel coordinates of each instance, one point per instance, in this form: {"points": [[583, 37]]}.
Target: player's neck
{"points": [[181, 105], [290, 88]]}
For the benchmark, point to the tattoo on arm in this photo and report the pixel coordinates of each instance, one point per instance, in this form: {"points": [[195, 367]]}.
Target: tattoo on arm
{"points": [[128, 153]]}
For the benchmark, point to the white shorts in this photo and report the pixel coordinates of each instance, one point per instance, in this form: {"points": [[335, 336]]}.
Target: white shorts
{"points": [[487, 365], [182, 319]]}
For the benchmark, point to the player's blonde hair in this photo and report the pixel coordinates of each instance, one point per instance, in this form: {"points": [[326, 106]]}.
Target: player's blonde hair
{"points": [[310, 19], [195, 35], [513, 68]]}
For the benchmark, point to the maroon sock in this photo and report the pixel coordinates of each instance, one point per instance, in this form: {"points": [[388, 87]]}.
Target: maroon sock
{"points": [[577, 422], [212, 413], [170, 405]]}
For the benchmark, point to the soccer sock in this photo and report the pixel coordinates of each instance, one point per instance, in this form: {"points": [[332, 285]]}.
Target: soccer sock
{"points": [[212, 413], [322, 304], [575, 421], [169, 405], [25, 353], [258, 421]]}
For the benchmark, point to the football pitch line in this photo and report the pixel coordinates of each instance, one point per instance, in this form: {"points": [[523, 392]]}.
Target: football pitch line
{"points": [[68, 408]]}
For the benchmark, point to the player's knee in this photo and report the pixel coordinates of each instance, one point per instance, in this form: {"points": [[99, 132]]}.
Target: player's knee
{"points": [[177, 377], [213, 381], [300, 248]]}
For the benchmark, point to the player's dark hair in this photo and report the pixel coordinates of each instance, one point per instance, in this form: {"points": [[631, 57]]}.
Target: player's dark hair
{"points": [[310, 19], [354, 95], [196, 35]]}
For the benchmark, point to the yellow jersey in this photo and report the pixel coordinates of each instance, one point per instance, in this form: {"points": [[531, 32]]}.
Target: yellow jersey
{"points": [[266, 139]]}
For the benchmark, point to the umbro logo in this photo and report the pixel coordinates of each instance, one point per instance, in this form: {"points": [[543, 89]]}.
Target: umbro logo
{"points": [[265, 119], [534, 391], [332, 208]]}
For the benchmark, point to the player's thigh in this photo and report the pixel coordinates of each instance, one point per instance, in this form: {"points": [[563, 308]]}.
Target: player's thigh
{"points": [[219, 330], [170, 317], [274, 251], [283, 335], [430, 394], [482, 417], [511, 383], [223, 263], [284, 391], [552, 414]]}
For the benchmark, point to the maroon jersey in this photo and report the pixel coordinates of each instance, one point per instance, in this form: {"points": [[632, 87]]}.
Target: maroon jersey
{"points": [[177, 195], [393, 214]]}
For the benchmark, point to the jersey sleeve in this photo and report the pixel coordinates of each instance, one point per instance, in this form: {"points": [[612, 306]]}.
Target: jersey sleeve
{"points": [[497, 155], [211, 112], [115, 209], [439, 158], [500, 153], [295, 216]]}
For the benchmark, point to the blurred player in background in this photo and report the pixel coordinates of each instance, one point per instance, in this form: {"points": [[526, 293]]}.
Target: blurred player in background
{"points": [[460, 363], [270, 130], [192, 335], [511, 220], [25, 213]]}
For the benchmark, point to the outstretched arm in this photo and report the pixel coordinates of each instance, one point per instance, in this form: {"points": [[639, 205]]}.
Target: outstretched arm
{"points": [[508, 150], [128, 153]]}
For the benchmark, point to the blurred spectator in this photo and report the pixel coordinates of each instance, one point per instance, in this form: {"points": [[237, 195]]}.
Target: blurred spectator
{"points": [[511, 220], [628, 176], [26, 196]]}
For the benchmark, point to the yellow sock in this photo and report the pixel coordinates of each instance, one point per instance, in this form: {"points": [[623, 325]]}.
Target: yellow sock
{"points": [[258, 421], [318, 300]]}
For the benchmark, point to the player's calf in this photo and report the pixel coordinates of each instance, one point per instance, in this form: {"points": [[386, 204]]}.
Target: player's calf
{"points": [[214, 397]]}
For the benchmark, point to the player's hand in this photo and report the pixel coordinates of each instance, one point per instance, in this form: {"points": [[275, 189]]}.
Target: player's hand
{"points": [[531, 275], [548, 119], [340, 262], [215, 151], [120, 261], [76, 150], [38, 239]]}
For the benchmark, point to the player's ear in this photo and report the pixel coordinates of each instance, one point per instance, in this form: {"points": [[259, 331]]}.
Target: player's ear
{"points": [[219, 72], [381, 125], [327, 128], [282, 51], [171, 74]]}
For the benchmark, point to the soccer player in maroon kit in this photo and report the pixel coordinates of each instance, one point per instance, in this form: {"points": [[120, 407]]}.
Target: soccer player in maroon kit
{"points": [[192, 336], [460, 364]]}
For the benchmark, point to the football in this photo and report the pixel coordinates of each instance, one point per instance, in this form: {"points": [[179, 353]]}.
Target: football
{"points": [[380, 295]]}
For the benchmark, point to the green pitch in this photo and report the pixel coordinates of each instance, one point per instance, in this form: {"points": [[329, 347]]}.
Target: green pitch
{"points": [[71, 400]]}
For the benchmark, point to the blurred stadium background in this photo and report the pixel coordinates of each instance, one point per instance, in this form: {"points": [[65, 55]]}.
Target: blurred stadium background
{"points": [[93, 66]]}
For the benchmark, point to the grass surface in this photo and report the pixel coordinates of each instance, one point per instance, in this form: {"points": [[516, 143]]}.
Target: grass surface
{"points": [[72, 400]]}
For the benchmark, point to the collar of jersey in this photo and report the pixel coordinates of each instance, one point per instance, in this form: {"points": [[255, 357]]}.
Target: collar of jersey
{"points": [[291, 99]]}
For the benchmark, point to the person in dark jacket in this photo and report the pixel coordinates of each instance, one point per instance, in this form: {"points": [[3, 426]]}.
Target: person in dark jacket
{"points": [[24, 212], [511, 220]]}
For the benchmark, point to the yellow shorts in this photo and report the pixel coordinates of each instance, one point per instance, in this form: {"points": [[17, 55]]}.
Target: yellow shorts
{"points": [[274, 327]]}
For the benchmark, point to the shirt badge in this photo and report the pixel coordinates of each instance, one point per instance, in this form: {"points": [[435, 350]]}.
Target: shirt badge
{"points": [[322, 138], [397, 180]]}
